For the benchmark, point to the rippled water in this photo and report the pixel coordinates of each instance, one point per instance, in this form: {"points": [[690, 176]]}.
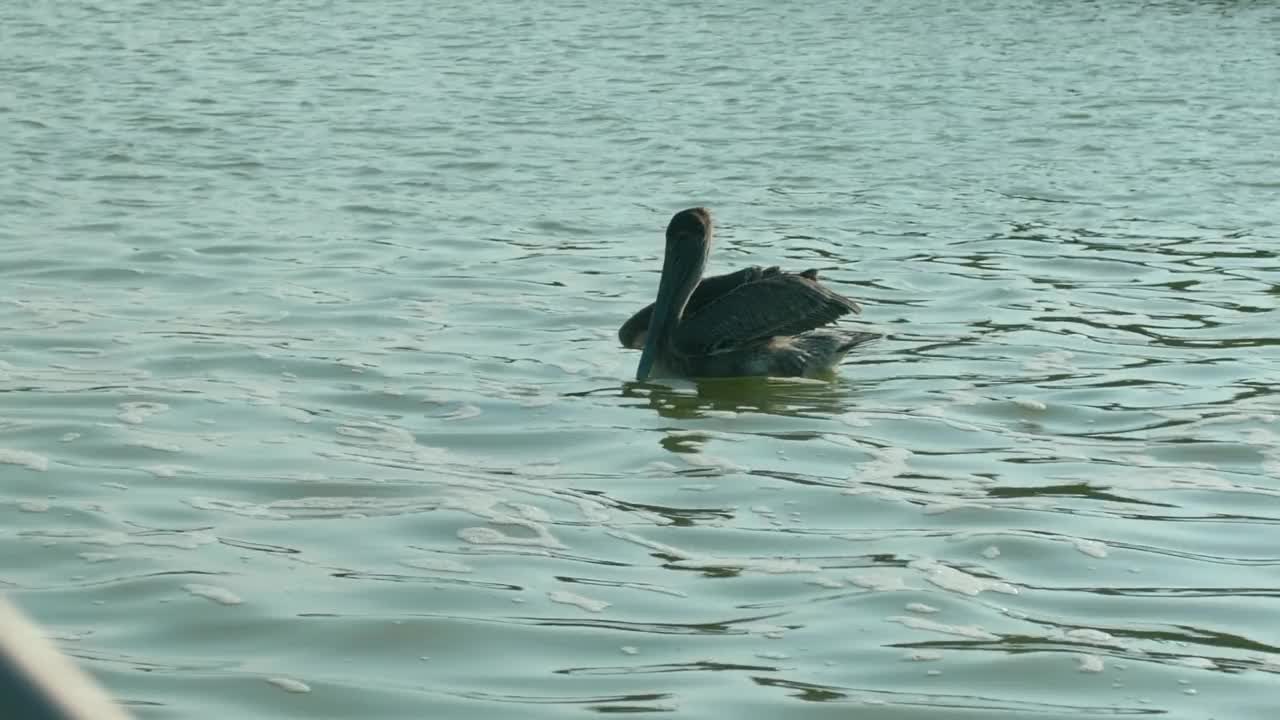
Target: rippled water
{"points": [[311, 404]]}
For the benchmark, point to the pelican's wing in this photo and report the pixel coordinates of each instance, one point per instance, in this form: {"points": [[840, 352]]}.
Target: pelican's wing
{"points": [[778, 304], [631, 334]]}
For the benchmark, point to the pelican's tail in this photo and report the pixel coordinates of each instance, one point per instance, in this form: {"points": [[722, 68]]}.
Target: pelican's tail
{"points": [[854, 339], [820, 351]]}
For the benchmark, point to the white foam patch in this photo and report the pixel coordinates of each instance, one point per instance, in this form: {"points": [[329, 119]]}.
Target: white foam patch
{"points": [[265, 395], [490, 536], [923, 609], [969, 631], [991, 553], [530, 512], [492, 509], [289, 684], [713, 462], [949, 578], [438, 565], [33, 506], [465, 411], [964, 397], [651, 544], [1091, 636], [885, 464], [772, 566], [854, 419], [346, 506], [29, 460], [592, 511], [235, 507], [151, 443], [1029, 404], [136, 413], [1090, 664], [97, 557], [220, 595], [1198, 662], [69, 437], [299, 416], [951, 506], [880, 581], [1092, 548], [166, 472], [585, 603], [843, 440]]}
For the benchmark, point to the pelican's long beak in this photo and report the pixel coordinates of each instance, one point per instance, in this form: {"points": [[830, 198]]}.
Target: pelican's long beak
{"points": [[657, 329], [688, 240], [663, 314]]}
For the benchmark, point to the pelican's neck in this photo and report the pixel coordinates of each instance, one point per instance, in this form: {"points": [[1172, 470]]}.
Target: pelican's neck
{"points": [[686, 256], [681, 272]]}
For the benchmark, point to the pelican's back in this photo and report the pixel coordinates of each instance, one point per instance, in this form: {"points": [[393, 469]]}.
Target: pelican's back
{"points": [[777, 305]]}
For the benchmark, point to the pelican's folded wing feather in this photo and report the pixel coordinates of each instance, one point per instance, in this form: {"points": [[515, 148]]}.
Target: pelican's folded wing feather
{"points": [[778, 304], [631, 332]]}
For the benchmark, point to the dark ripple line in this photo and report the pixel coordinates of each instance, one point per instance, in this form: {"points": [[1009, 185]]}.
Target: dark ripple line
{"points": [[834, 693], [570, 699], [1028, 645], [424, 579], [725, 627], [121, 579], [1164, 592], [699, 666]]}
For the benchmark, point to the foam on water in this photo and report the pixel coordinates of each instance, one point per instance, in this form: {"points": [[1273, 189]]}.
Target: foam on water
{"points": [[219, 595], [969, 631], [289, 685], [949, 578], [23, 458], [568, 598]]}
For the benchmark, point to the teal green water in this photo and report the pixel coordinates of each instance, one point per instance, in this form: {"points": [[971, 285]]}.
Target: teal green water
{"points": [[311, 404]]}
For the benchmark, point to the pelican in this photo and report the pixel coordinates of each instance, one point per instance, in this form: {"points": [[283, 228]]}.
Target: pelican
{"points": [[756, 321]]}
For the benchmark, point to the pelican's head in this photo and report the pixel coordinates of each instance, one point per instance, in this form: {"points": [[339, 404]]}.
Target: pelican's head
{"points": [[689, 227], [688, 242]]}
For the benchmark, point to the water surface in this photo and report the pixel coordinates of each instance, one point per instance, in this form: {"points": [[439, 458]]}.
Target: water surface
{"points": [[311, 404]]}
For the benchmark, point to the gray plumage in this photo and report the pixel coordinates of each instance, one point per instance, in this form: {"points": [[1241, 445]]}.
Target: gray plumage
{"points": [[633, 331], [756, 321]]}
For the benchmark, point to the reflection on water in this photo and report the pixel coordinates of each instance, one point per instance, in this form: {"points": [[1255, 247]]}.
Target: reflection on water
{"points": [[695, 399]]}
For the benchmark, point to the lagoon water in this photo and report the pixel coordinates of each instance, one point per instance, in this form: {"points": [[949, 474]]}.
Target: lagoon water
{"points": [[311, 404]]}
